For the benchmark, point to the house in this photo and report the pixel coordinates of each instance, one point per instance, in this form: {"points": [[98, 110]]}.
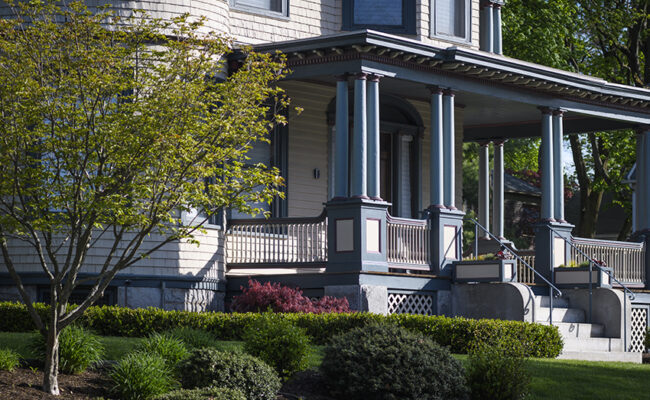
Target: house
{"points": [[390, 90]]}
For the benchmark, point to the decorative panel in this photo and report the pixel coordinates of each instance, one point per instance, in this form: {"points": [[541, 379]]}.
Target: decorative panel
{"points": [[420, 304], [639, 320]]}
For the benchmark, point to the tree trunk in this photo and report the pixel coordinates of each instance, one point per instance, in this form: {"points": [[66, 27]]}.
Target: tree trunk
{"points": [[626, 229], [51, 370], [589, 214]]}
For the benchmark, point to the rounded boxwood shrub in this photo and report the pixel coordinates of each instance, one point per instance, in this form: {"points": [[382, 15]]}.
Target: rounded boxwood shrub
{"points": [[141, 376], [278, 343], [209, 367], [79, 348], [193, 338], [9, 360], [498, 371], [171, 349], [383, 361], [210, 393]]}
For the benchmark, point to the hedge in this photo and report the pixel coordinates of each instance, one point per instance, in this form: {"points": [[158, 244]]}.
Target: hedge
{"points": [[457, 333]]}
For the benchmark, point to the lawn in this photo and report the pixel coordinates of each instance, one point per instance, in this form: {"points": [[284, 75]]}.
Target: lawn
{"points": [[552, 379]]}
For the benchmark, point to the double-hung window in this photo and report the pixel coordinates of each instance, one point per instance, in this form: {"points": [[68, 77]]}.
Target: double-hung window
{"points": [[275, 8], [395, 16], [451, 19]]}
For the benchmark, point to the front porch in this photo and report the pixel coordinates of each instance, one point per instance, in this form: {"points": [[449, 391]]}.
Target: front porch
{"points": [[392, 115]]}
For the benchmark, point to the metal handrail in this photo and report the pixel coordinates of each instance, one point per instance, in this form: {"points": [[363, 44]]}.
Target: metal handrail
{"points": [[504, 246], [593, 262]]}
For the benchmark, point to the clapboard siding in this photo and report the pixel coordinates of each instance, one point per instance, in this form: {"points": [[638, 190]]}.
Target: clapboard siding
{"points": [[308, 148], [173, 259]]}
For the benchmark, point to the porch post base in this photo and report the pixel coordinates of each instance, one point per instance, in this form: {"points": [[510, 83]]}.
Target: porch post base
{"points": [[356, 233], [367, 298], [446, 239], [550, 250]]}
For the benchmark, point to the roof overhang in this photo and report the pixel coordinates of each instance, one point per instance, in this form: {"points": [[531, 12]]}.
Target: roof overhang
{"points": [[376, 48]]}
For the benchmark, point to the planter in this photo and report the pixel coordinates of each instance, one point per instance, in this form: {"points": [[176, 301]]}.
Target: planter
{"points": [[578, 277], [485, 271]]}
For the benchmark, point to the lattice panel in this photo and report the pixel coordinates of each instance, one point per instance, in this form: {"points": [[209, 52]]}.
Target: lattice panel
{"points": [[421, 304], [639, 321]]}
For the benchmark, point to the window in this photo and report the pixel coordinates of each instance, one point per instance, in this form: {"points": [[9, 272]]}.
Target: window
{"points": [[451, 18], [396, 16], [268, 7]]}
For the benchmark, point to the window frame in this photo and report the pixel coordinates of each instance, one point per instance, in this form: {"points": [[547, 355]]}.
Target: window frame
{"points": [[284, 14], [408, 19], [433, 32]]}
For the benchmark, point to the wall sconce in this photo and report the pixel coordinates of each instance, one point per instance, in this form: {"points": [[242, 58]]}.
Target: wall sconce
{"points": [[316, 173]]}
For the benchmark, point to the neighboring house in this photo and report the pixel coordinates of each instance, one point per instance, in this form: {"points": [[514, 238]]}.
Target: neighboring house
{"points": [[390, 90]]}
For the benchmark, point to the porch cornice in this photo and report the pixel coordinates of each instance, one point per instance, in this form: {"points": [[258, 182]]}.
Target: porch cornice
{"points": [[487, 67]]}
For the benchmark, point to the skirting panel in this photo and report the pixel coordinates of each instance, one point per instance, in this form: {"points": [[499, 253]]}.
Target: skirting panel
{"points": [[420, 304], [639, 322]]}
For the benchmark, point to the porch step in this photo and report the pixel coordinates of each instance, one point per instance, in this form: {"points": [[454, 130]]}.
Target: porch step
{"points": [[601, 356], [560, 314], [545, 301], [570, 330], [593, 344]]}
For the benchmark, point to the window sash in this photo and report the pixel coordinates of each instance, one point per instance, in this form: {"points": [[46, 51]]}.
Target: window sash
{"points": [[265, 6], [451, 18]]}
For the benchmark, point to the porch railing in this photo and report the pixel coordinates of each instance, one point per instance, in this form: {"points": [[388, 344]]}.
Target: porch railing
{"points": [[627, 259], [277, 241], [524, 274], [408, 243]]}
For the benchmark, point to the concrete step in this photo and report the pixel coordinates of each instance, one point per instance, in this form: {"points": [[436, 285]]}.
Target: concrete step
{"points": [[544, 301], [601, 356], [593, 344], [570, 330], [560, 314]]}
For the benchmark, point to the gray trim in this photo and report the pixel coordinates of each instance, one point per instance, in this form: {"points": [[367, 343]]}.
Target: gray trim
{"points": [[135, 280]]}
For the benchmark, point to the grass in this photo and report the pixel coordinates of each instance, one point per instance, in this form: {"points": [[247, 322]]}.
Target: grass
{"points": [[552, 379], [117, 347]]}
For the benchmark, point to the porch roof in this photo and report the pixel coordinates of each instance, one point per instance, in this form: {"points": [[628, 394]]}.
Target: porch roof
{"points": [[591, 103]]}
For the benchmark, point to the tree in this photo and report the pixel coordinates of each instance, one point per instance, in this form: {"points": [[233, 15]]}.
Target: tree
{"points": [[110, 128], [605, 38]]}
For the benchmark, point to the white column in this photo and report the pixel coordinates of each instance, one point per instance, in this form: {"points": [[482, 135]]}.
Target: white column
{"points": [[341, 153], [484, 187], [558, 167], [497, 46], [373, 138], [547, 165], [498, 191], [449, 148], [487, 27], [436, 167], [358, 156]]}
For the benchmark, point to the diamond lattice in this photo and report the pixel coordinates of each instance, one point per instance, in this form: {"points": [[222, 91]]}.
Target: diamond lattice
{"points": [[421, 304], [639, 324]]}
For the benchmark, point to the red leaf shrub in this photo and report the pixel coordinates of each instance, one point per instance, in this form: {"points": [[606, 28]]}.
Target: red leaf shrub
{"points": [[260, 297]]}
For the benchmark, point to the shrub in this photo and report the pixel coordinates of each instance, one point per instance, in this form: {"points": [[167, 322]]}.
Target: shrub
{"points": [[171, 349], [204, 394], [459, 334], [646, 342], [384, 361], [279, 343], [193, 338], [141, 376], [78, 349], [260, 297], [498, 372], [210, 367], [9, 360]]}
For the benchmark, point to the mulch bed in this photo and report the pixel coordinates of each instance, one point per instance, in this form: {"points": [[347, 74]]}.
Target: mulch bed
{"points": [[25, 384]]}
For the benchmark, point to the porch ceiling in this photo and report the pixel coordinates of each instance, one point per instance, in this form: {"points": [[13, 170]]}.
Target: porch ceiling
{"points": [[500, 95]]}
